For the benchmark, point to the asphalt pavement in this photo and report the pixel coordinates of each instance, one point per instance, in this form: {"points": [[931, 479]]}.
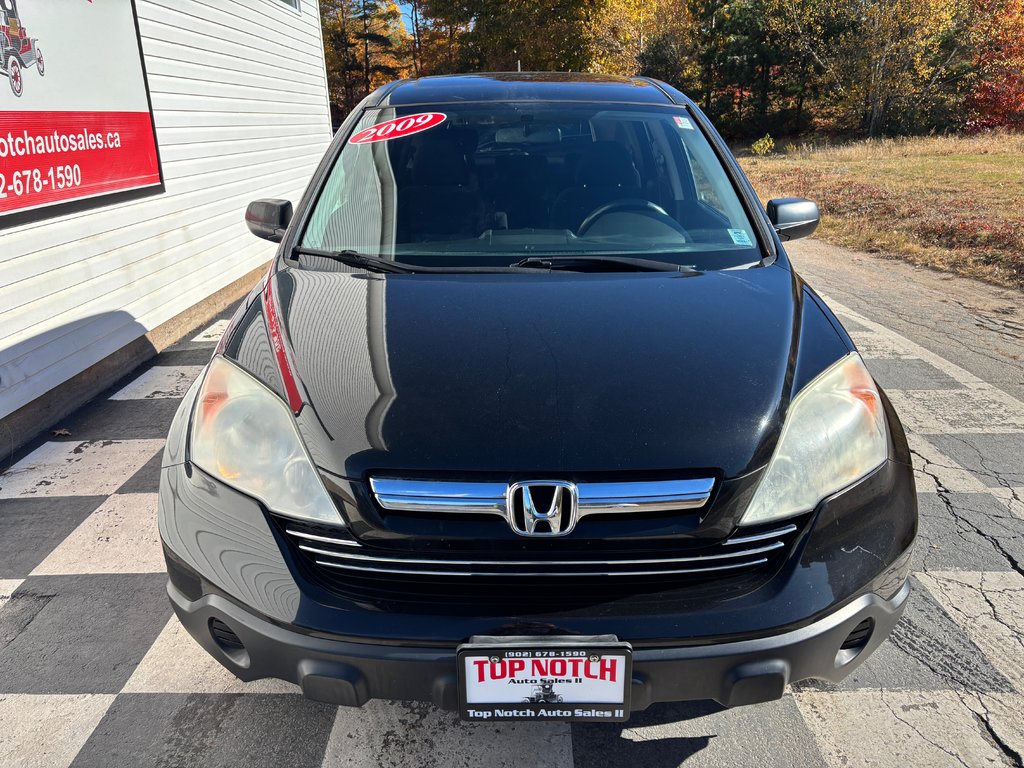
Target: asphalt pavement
{"points": [[95, 671]]}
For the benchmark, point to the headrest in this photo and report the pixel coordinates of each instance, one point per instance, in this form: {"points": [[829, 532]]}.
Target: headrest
{"points": [[464, 137], [439, 162], [607, 164]]}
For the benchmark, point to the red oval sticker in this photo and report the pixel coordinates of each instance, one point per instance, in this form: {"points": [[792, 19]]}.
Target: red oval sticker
{"points": [[399, 127]]}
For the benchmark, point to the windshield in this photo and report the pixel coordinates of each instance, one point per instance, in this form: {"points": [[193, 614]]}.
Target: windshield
{"points": [[492, 183]]}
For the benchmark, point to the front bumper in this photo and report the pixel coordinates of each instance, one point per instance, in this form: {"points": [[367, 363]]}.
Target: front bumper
{"points": [[350, 673], [226, 563]]}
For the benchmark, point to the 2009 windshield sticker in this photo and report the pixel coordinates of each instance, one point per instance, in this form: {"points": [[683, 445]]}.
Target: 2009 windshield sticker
{"points": [[399, 127], [740, 237], [683, 122]]}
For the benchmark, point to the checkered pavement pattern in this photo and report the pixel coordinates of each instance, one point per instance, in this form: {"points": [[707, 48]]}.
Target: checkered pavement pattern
{"points": [[95, 671]]}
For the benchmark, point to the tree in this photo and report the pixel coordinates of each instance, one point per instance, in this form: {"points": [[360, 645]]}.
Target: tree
{"points": [[902, 42], [664, 57], [381, 31], [527, 34], [781, 66], [441, 34], [340, 52], [364, 46], [724, 54], [885, 66], [728, 43], [997, 97], [622, 30]]}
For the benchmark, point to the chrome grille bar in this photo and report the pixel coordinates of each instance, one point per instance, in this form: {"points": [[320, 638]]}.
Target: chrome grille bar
{"points": [[587, 574], [748, 539], [324, 539], [656, 496], [398, 494], [440, 496], [735, 554], [741, 551]]}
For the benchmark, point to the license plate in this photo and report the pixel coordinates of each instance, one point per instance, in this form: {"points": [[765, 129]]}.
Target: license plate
{"points": [[545, 678]]}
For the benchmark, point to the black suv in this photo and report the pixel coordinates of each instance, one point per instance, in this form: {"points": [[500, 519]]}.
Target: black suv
{"points": [[532, 418]]}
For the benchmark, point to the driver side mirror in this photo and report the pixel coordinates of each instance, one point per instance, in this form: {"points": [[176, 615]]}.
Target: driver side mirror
{"points": [[793, 217], [268, 218]]}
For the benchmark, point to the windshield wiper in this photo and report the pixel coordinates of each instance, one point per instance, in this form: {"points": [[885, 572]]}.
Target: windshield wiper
{"points": [[377, 264], [589, 263], [363, 260], [571, 263]]}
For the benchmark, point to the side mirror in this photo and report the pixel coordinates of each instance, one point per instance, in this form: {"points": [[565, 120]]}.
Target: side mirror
{"points": [[793, 217], [268, 218]]}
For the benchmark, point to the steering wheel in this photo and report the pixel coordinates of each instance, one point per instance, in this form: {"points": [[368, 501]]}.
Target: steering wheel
{"points": [[635, 205]]}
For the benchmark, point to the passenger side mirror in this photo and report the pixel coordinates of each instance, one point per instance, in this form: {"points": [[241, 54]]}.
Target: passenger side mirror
{"points": [[793, 217], [268, 218]]}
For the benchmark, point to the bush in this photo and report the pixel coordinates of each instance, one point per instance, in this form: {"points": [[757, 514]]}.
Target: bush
{"points": [[764, 146]]}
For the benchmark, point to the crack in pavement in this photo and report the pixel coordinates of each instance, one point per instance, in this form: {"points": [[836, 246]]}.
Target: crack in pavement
{"points": [[943, 493], [936, 335], [987, 471], [1015, 758], [950, 603], [915, 729]]}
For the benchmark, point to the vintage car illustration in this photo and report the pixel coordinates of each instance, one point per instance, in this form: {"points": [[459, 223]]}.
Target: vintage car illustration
{"points": [[18, 51], [544, 694]]}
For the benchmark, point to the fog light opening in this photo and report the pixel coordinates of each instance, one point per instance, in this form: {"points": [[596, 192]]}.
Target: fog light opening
{"points": [[855, 642], [229, 643]]}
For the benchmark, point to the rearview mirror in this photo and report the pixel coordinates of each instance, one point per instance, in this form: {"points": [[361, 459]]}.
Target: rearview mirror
{"points": [[268, 218], [793, 217]]}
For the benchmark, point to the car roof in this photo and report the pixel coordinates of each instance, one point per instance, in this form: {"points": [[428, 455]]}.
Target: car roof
{"points": [[523, 86]]}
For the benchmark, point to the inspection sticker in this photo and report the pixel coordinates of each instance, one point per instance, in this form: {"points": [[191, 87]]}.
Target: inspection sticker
{"points": [[683, 122], [740, 237], [397, 128]]}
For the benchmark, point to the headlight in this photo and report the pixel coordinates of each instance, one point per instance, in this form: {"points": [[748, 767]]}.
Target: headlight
{"points": [[834, 435], [245, 436]]}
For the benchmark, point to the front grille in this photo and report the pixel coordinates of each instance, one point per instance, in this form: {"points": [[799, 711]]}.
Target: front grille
{"points": [[490, 511], [340, 563], [740, 552]]}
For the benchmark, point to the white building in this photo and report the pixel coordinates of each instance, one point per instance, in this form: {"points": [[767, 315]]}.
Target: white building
{"points": [[106, 251]]}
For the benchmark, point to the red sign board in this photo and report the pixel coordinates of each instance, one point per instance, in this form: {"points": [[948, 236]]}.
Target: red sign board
{"points": [[71, 132]]}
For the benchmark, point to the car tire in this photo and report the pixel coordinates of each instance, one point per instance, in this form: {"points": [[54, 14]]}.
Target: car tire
{"points": [[14, 76], [40, 68]]}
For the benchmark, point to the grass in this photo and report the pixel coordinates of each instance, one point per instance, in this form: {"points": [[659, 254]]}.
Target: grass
{"points": [[951, 203]]}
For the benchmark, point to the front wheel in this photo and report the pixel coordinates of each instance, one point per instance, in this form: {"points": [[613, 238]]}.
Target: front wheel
{"points": [[14, 75], [40, 68]]}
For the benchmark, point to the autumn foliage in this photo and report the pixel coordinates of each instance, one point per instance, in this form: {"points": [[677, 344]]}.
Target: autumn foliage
{"points": [[870, 67], [998, 98]]}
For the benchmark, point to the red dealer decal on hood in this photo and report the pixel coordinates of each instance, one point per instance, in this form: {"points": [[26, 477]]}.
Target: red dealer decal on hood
{"points": [[399, 127]]}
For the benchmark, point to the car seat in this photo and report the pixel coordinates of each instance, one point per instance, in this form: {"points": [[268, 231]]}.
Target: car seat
{"points": [[605, 173], [440, 200]]}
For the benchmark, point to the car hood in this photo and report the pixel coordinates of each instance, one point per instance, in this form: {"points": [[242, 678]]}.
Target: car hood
{"points": [[551, 374]]}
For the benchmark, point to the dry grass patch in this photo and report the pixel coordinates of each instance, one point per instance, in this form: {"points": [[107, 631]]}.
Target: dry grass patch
{"points": [[952, 203]]}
